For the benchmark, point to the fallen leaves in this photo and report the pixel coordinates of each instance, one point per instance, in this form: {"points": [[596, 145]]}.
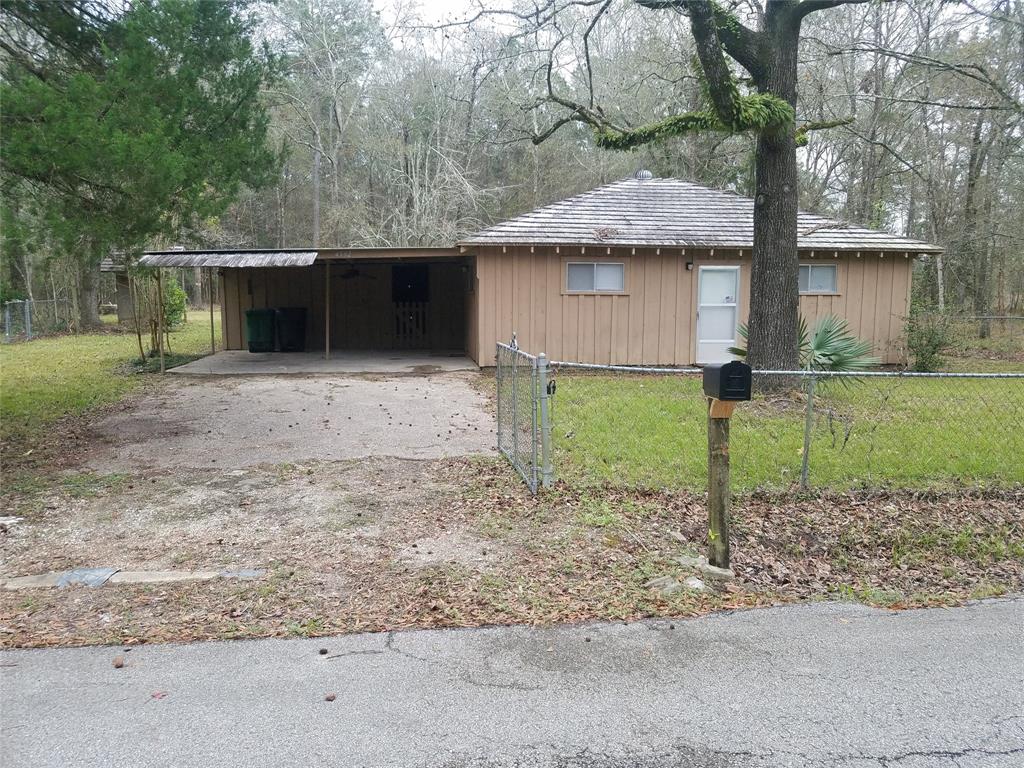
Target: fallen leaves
{"points": [[570, 555]]}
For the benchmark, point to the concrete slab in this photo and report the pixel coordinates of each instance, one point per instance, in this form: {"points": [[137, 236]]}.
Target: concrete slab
{"points": [[97, 577], [32, 582], [89, 577], [244, 421], [160, 577], [242, 363]]}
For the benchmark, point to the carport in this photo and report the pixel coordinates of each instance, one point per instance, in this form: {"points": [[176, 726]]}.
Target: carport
{"points": [[399, 301]]}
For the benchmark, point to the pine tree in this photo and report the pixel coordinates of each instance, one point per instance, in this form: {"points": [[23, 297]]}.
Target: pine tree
{"points": [[122, 128]]}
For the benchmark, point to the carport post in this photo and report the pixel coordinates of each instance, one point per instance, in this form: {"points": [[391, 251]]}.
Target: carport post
{"points": [[160, 315], [209, 279], [546, 470], [327, 310]]}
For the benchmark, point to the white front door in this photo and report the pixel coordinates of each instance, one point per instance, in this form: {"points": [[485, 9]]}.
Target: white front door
{"points": [[718, 293]]}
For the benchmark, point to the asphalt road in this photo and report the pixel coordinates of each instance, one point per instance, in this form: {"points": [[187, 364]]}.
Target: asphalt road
{"points": [[815, 685]]}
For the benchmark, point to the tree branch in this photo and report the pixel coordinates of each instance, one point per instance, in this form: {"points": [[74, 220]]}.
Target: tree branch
{"points": [[721, 88], [586, 49], [739, 41], [806, 7], [973, 71], [819, 125]]}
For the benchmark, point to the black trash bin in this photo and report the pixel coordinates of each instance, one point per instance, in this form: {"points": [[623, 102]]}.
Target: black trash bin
{"points": [[259, 329], [291, 329]]}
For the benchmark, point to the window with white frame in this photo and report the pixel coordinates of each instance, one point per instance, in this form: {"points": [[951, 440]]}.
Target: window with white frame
{"points": [[595, 277], [818, 278]]}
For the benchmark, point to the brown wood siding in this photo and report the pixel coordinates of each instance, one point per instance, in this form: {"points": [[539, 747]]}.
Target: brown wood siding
{"points": [[873, 295], [231, 314], [653, 322], [472, 312]]}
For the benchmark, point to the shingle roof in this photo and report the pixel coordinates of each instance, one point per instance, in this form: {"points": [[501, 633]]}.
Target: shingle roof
{"points": [[671, 212]]}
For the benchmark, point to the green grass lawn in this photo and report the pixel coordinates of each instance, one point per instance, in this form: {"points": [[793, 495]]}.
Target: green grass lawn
{"points": [[46, 379], [651, 431]]}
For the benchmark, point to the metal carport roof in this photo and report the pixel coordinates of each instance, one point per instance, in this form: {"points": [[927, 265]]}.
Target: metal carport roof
{"points": [[253, 258]]}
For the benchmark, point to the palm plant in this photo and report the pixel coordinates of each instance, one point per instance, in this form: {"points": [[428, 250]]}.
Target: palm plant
{"points": [[830, 348]]}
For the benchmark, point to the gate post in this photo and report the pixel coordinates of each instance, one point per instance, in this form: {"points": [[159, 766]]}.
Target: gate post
{"points": [[515, 398], [547, 472], [27, 308], [498, 381], [7, 321]]}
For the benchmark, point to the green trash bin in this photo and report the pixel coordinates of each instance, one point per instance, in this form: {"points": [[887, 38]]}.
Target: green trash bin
{"points": [[291, 329], [259, 329]]}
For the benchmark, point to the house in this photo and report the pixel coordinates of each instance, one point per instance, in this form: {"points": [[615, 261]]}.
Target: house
{"points": [[642, 271], [648, 271]]}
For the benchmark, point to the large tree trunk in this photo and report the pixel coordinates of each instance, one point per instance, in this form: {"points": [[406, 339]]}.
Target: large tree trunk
{"points": [[774, 300], [89, 294]]}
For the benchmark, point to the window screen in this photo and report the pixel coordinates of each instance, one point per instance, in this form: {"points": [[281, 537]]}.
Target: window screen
{"points": [[599, 277], [609, 277], [818, 278]]}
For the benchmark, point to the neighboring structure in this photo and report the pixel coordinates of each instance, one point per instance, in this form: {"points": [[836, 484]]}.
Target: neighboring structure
{"points": [[115, 264], [641, 271]]}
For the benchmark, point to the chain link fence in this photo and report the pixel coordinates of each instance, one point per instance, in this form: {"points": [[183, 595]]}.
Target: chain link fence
{"points": [[975, 338], [29, 318], [647, 428], [523, 419], [992, 336]]}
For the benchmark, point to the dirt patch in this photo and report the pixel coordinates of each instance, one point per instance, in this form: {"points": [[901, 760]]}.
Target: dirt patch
{"points": [[248, 421], [390, 544], [257, 517], [451, 548]]}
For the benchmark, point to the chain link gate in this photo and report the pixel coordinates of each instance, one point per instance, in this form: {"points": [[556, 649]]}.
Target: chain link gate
{"points": [[524, 422]]}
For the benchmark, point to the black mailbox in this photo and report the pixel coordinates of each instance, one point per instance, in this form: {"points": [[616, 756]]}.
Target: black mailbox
{"points": [[727, 381]]}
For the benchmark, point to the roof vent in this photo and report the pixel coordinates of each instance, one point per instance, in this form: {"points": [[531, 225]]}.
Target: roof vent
{"points": [[643, 175]]}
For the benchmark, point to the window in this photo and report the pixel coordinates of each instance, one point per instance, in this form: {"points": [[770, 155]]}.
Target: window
{"points": [[818, 278], [595, 277], [410, 283]]}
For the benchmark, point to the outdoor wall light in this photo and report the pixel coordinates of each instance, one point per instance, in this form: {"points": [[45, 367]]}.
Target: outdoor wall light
{"points": [[689, 266]]}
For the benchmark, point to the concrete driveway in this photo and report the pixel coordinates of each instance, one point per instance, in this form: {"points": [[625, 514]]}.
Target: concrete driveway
{"points": [[236, 422], [813, 686]]}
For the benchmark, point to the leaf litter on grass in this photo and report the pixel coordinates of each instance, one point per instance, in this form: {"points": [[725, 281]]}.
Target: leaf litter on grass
{"points": [[461, 543]]}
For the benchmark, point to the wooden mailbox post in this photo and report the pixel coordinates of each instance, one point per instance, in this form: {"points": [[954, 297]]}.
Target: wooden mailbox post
{"points": [[724, 385]]}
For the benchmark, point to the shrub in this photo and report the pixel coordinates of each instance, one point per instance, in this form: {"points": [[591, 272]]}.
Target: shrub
{"points": [[928, 334], [10, 294], [174, 303]]}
